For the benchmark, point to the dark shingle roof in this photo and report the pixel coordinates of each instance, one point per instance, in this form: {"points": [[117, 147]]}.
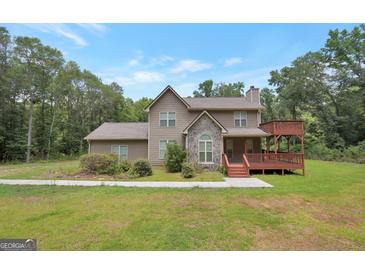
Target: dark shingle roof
{"points": [[120, 131], [221, 103]]}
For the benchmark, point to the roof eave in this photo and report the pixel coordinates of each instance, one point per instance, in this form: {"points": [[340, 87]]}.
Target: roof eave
{"points": [[147, 109]]}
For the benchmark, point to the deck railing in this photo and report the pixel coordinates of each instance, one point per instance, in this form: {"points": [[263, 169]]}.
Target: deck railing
{"points": [[225, 161], [292, 158], [284, 127]]}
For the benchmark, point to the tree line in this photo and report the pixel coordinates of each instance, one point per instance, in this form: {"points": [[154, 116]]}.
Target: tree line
{"points": [[48, 105], [325, 88]]}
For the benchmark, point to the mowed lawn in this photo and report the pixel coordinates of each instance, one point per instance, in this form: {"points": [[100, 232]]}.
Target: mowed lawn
{"points": [[325, 210]]}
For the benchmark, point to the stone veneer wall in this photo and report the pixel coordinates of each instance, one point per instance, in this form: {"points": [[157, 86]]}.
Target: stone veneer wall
{"points": [[205, 126]]}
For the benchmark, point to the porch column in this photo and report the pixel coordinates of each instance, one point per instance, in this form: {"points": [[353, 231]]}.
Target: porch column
{"points": [[302, 143], [222, 147]]}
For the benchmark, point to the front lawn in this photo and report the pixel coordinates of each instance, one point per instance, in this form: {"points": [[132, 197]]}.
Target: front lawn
{"points": [[70, 170], [325, 210]]}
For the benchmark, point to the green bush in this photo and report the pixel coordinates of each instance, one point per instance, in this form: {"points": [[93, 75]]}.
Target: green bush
{"points": [[100, 163], [124, 166], [141, 168], [222, 170], [188, 170], [174, 157], [319, 151], [198, 167]]}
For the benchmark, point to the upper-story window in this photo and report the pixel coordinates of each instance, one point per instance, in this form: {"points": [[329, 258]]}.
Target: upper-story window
{"points": [[240, 118], [167, 119]]}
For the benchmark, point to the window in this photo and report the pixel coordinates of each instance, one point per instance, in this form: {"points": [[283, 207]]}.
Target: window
{"points": [[167, 119], [240, 118], [205, 149], [249, 146], [121, 151], [163, 146]]}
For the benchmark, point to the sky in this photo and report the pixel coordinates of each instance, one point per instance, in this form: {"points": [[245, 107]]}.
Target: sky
{"points": [[144, 58]]}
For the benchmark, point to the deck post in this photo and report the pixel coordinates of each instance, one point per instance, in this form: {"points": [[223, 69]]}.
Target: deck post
{"points": [[289, 143]]}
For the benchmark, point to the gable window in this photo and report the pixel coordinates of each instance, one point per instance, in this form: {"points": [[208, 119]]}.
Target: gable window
{"points": [[121, 151], [240, 118], [167, 119], [205, 149], [163, 147]]}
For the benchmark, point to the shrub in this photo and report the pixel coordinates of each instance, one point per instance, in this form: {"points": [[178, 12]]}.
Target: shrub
{"points": [[222, 170], [188, 170], [198, 167], [174, 157], [99, 163], [124, 166], [141, 168]]}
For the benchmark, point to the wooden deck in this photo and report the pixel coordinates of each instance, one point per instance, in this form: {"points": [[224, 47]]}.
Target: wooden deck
{"points": [[264, 161], [284, 127]]}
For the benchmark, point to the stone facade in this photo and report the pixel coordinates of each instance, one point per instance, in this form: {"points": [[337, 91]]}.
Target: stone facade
{"points": [[205, 126]]}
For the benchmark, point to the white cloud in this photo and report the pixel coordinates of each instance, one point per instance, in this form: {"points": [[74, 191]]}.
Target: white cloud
{"points": [[186, 89], [190, 65], [161, 60], [61, 30], [232, 61], [97, 29], [94, 26], [148, 76], [134, 62]]}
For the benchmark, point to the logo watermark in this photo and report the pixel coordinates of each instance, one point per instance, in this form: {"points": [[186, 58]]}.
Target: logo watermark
{"points": [[18, 244]]}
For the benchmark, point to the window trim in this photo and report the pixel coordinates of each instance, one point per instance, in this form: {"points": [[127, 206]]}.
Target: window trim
{"points": [[167, 142], [119, 154], [240, 118], [205, 149], [167, 119]]}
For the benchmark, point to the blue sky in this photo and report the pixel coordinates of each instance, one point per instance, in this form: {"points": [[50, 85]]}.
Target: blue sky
{"points": [[144, 58]]}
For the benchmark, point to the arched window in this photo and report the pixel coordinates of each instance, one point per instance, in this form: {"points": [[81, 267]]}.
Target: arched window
{"points": [[205, 149]]}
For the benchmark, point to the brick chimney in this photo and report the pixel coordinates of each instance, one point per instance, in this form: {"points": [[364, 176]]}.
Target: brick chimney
{"points": [[253, 95]]}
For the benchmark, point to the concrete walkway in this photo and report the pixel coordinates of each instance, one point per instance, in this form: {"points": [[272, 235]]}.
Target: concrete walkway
{"points": [[229, 182]]}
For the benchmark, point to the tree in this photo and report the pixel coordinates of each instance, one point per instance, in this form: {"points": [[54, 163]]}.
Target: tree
{"points": [[268, 100], [230, 89], [205, 89], [208, 89]]}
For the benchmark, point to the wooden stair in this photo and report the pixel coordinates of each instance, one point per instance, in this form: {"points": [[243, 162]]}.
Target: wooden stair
{"points": [[237, 171]]}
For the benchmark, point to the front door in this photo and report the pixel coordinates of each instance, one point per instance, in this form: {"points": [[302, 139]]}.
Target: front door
{"points": [[234, 148], [249, 146]]}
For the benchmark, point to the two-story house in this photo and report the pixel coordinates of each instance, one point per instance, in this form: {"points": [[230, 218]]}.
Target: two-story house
{"points": [[207, 127]]}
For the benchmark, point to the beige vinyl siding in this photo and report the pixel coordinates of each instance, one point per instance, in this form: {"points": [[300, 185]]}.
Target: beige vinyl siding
{"points": [[137, 149], [167, 103], [226, 118]]}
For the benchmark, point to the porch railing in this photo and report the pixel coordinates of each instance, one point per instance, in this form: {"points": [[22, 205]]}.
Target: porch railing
{"points": [[292, 158], [283, 127]]}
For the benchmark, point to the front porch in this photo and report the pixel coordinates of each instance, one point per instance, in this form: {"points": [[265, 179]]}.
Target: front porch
{"points": [[242, 154]]}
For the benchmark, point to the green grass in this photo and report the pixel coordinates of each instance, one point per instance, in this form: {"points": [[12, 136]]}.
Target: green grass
{"points": [[325, 210], [70, 170]]}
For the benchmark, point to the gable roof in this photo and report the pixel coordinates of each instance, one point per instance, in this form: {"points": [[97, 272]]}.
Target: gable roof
{"points": [[166, 89], [120, 131], [224, 130], [221, 103]]}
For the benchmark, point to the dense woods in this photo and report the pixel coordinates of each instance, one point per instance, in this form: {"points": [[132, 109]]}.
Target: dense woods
{"points": [[326, 89], [48, 105]]}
